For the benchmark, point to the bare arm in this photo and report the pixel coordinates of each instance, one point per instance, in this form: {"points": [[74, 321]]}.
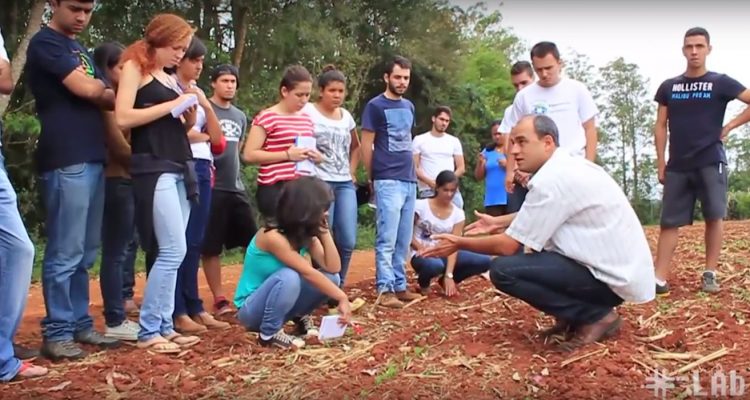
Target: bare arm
{"points": [[479, 169], [126, 114], [460, 165], [115, 139], [276, 244], [197, 137], [502, 245], [741, 119], [420, 173], [323, 251], [6, 77], [450, 264], [368, 138], [415, 245], [660, 135], [252, 153], [591, 139], [84, 86], [355, 154]]}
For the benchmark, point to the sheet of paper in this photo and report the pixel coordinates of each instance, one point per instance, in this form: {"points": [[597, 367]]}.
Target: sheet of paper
{"points": [[306, 167], [330, 328], [180, 108]]}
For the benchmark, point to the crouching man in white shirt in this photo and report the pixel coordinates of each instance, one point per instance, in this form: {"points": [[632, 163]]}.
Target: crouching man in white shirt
{"points": [[590, 251]]}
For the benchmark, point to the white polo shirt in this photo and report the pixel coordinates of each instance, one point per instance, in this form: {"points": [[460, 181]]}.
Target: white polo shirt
{"points": [[574, 208], [569, 103]]}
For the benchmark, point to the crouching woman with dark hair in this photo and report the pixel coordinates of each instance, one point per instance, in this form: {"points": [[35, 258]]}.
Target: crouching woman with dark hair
{"points": [[278, 282], [438, 215]]}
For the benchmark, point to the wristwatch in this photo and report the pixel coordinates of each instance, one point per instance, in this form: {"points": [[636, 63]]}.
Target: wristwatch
{"points": [[449, 275]]}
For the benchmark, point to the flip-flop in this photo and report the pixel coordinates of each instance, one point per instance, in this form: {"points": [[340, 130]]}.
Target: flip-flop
{"points": [[30, 371], [163, 346], [183, 341]]}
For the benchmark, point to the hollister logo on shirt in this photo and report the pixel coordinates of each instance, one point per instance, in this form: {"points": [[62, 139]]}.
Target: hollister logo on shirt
{"points": [[540, 108], [692, 90]]}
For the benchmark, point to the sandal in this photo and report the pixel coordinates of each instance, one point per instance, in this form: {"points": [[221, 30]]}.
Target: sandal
{"points": [[159, 345], [30, 371], [183, 341]]}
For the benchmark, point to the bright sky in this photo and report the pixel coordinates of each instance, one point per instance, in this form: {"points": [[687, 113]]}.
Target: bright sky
{"points": [[647, 33]]}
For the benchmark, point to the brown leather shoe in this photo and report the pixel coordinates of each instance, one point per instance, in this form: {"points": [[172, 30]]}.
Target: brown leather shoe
{"points": [[605, 328], [210, 322], [407, 296], [390, 300], [183, 324]]}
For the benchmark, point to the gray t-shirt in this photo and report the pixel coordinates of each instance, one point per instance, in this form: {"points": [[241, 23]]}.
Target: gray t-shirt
{"points": [[234, 125]]}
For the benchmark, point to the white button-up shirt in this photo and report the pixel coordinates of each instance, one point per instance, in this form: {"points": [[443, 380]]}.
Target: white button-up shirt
{"points": [[574, 208]]}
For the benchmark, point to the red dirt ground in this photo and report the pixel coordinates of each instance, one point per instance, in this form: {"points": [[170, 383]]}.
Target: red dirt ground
{"points": [[478, 346]]}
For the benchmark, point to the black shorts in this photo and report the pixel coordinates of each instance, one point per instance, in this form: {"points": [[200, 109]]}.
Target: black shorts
{"points": [[267, 198], [682, 188], [231, 223]]}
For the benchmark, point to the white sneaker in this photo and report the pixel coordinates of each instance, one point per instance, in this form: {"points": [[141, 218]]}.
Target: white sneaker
{"points": [[127, 330]]}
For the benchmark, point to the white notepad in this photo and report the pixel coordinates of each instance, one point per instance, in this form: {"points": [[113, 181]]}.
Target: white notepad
{"points": [[187, 103], [330, 328], [306, 167]]}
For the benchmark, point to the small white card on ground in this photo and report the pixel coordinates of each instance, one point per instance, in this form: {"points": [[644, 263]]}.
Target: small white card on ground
{"points": [[330, 328]]}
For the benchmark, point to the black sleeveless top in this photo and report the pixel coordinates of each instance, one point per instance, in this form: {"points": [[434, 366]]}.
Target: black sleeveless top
{"points": [[166, 137]]}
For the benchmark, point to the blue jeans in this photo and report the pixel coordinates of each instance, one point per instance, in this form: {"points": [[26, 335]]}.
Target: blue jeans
{"points": [[118, 259], [16, 261], [554, 284], [342, 218], [74, 202], [128, 268], [170, 215], [395, 223], [187, 299], [283, 296], [468, 264]]}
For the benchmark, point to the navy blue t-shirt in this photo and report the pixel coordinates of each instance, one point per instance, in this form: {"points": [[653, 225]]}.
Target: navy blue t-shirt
{"points": [[72, 127], [391, 120], [695, 112]]}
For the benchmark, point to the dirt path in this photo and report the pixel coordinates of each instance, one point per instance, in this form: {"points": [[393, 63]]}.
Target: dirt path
{"points": [[362, 267], [478, 345]]}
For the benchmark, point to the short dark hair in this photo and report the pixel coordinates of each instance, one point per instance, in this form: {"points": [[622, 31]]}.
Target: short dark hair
{"points": [[444, 178], [402, 62], [196, 49], [224, 69], [495, 123], [520, 67], [545, 126], [698, 31], [300, 210], [542, 49], [330, 74], [107, 55], [293, 75], [442, 109]]}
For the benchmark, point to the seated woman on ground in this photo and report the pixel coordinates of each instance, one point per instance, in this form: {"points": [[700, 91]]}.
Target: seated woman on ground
{"points": [[278, 282], [439, 215]]}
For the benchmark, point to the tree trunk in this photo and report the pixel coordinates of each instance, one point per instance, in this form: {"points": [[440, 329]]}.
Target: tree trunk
{"points": [[240, 14], [633, 147], [19, 60]]}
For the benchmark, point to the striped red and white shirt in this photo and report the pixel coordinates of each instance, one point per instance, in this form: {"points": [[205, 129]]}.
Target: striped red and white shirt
{"points": [[281, 133]]}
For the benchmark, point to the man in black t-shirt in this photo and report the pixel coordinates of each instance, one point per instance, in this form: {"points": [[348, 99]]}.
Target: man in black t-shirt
{"points": [[70, 95], [691, 108], [231, 222]]}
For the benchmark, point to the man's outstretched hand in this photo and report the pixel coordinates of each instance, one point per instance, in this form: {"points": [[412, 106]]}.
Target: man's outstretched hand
{"points": [[447, 244], [485, 224]]}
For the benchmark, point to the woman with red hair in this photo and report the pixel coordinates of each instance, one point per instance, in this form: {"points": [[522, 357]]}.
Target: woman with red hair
{"points": [[161, 168]]}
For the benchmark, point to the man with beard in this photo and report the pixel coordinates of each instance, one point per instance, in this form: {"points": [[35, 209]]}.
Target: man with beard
{"points": [[436, 151], [70, 95], [387, 121], [231, 222]]}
